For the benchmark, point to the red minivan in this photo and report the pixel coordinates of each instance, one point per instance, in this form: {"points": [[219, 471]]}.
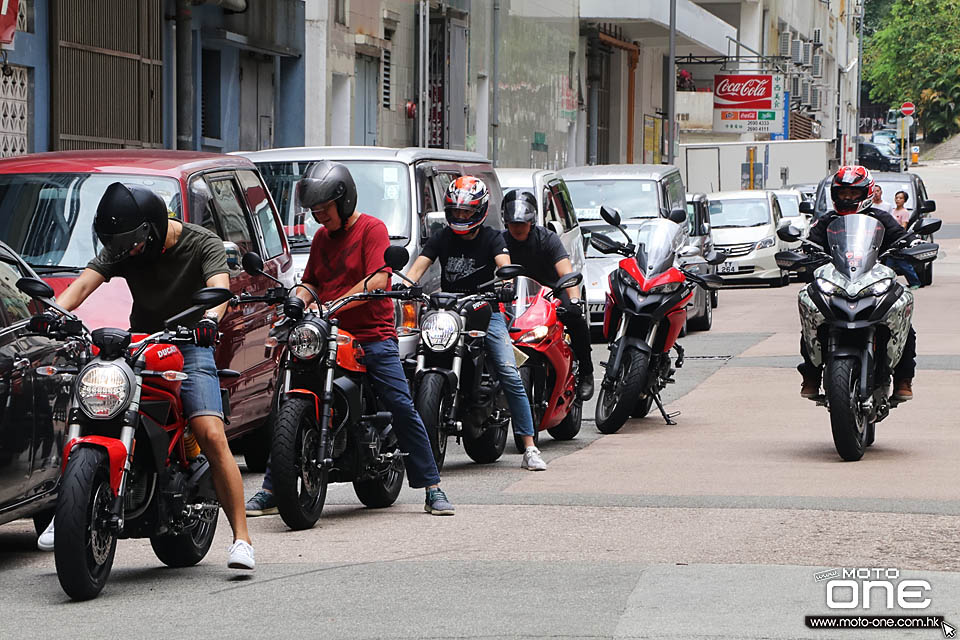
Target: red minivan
{"points": [[47, 205]]}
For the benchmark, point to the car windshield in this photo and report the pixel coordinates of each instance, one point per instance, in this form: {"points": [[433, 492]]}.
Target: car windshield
{"points": [[789, 205], [854, 241], [48, 217], [383, 190], [726, 214], [634, 198]]}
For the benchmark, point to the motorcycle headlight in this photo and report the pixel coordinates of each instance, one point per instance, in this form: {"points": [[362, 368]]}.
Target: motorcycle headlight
{"points": [[670, 287], [305, 341], [534, 335], [878, 288], [103, 391], [628, 279], [767, 243], [440, 331], [827, 287]]}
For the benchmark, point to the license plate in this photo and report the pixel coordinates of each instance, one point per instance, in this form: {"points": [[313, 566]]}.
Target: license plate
{"points": [[727, 267]]}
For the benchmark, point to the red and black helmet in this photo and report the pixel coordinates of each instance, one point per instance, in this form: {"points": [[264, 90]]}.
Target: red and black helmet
{"points": [[466, 193], [852, 177]]}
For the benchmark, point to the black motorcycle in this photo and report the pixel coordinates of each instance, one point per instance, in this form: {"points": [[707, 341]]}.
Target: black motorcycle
{"points": [[328, 428], [455, 392]]}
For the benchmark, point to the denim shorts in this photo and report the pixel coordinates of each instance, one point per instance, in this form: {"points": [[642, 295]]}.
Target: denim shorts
{"points": [[200, 392]]}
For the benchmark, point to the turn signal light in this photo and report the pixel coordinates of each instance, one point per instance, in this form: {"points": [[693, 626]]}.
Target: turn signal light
{"points": [[344, 339], [271, 342], [47, 371], [408, 315], [172, 376]]}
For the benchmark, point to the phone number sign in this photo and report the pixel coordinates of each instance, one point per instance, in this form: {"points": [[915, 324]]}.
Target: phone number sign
{"points": [[748, 103]]}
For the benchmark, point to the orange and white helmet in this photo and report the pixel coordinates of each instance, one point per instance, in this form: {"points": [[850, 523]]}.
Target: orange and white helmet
{"points": [[466, 193], [847, 178]]}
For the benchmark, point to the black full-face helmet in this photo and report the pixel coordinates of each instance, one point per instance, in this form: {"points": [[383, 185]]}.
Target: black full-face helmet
{"points": [[129, 216], [327, 181], [519, 206]]}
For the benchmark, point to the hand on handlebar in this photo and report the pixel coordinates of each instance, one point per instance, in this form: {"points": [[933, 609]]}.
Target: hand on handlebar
{"points": [[44, 323], [205, 333]]}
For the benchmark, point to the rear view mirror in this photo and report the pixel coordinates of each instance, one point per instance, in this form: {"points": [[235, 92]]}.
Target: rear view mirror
{"points": [[715, 257], [927, 226], [435, 220], [678, 215], [789, 259], [252, 263], [35, 288], [689, 251], [788, 233], [610, 215], [396, 257], [603, 243], [234, 261], [210, 297], [573, 279], [509, 271], [923, 252], [928, 206], [712, 281], [806, 207]]}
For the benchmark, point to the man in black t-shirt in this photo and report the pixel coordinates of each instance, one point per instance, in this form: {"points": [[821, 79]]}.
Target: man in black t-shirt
{"points": [[544, 258], [469, 255]]}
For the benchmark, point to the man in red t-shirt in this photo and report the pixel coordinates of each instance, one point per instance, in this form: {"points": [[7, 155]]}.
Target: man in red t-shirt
{"points": [[345, 250]]}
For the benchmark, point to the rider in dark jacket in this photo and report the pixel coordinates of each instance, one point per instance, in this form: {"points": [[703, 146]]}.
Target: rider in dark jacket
{"points": [[852, 191]]}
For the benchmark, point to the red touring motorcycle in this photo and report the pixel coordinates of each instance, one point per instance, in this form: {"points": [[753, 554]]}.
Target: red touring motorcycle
{"points": [[127, 473], [327, 427], [549, 372], [645, 312]]}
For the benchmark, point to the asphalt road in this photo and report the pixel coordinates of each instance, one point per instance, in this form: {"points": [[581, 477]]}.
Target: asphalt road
{"points": [[713, 528]]}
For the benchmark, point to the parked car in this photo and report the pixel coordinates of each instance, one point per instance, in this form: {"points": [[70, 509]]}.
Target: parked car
{"points": [[807, 189], [878, 157], [555, 209], [745, 227], [32, 407], [636, 190], [789, 200], [403, 187], [916, 192], [47, 205], [700, 234]]}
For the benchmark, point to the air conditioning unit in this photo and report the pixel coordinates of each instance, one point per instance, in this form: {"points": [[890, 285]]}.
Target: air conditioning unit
{"points": [[815, 98], [796, 50], [817, 71], [817, 37], [795, 87], [807, 57], [805, 86], [785, 39]]}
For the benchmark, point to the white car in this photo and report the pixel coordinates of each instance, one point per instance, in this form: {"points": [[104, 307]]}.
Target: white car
{"points": [[744, 226], [789, 201]]}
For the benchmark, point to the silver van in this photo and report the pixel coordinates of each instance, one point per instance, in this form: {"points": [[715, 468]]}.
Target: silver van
{"points": [[403, 187]]}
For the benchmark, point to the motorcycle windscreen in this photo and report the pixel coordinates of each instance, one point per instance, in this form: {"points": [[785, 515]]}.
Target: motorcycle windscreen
{"points": [[527, 290], [854, 242], [657, 244]]}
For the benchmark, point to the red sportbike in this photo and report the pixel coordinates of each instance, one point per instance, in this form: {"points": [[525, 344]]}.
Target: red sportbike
{"points": [[127, 472], [549, 372], [645, 312]]}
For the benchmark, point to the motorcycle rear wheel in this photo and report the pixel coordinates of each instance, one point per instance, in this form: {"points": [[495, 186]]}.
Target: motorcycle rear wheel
{"points": [[847, 422], [299, 485], [381, 491], [85, 544], [431, 404], [614, 405], [185, 549]]}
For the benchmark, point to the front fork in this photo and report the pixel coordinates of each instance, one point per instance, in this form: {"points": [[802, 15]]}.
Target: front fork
{"points": [[450, 421], [866, 357], [326, 404], [618, 347]]}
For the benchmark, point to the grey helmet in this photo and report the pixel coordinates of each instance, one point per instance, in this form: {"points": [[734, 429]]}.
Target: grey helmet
{"points": [[327, 181], [519, 206]]}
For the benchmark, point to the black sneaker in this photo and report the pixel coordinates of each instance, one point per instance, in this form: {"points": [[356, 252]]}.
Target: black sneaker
{"points": [[437, 503], [585, 388]]}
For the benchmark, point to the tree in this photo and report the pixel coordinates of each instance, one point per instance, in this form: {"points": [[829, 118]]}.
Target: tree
{"points": [[915, 55]]}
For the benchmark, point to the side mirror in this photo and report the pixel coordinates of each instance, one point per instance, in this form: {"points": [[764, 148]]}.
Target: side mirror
{"points": [[573, 279], [705, 229], [435, 220], [788, 233], [928, 206], [35, 288], [925, 226], [210, 297], [610, 215], [396, 257], [677, 215], [715, 257], [789, 259], [603, 243], [806, 207], [234, 259], [712, 281], [689, 251], [554, 226], [923, 252], [509, 272], [252, 263]]}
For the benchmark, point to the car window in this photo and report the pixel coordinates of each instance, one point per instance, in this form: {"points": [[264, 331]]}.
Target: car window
{"points": [[551, 218], [739, 213], [634, 198], [441, 181], [564, 205], [230, 212], [259, 203], [777, 214], [14, 303], [676, 194]]}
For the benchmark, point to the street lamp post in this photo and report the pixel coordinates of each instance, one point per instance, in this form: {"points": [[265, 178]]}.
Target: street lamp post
{"points": [[856, 145], [671, 82]]}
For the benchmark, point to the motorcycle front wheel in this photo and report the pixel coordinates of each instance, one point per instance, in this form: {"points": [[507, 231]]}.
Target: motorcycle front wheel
{"points": [[489, 445], [299, 481], [617, 400], [431, 403], [847, 421], [85, 540]]}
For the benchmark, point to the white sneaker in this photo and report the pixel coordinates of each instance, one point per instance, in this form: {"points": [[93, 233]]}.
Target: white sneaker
{"points": [[45, 541], [241, 555], [532, 460]]}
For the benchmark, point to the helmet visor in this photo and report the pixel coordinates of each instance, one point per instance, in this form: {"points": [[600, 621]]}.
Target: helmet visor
{"points": [[120, 246], [518, 211]]}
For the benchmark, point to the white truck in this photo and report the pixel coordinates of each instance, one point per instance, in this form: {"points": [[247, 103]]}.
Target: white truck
{"points": [[708, 167]]}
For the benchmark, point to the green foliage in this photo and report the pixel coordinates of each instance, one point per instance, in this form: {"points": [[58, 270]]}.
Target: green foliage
{"points": [[915, 55]]}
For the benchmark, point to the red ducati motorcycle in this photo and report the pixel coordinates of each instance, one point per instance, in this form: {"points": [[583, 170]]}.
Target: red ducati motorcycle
{"points": [[549, 371], [127, 473], [645, 312]]}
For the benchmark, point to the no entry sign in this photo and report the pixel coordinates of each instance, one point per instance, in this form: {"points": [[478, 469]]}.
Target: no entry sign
{"points": [[907, 108]]}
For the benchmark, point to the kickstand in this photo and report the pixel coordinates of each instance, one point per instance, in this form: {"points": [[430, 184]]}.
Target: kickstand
{"points": [[668, 417]]}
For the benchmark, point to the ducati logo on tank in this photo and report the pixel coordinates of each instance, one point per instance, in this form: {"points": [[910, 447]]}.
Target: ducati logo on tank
{"points": [[748, 103]]}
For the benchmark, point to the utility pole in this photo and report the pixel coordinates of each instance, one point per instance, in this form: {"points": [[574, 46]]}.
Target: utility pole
{"points": [[860, 12], [672, 82]]}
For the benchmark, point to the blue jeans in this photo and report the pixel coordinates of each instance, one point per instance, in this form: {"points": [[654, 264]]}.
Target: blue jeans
{"points": [[500, 351], [200, 392], [382, 360], [905, 269]]}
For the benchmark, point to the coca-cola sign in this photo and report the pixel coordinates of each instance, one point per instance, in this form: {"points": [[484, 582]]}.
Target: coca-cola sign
{"points": [[748, 103], [743, 92]]}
